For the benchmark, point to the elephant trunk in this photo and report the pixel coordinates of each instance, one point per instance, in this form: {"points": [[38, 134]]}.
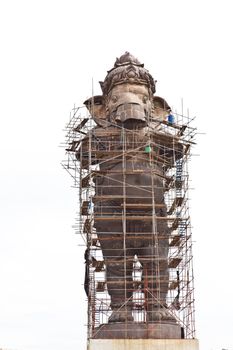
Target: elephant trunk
{"points": [[131, 115]]}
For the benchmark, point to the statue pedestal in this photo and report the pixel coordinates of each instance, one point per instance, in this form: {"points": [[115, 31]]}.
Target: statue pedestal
{"points": [[155, 330], [143, 344]]}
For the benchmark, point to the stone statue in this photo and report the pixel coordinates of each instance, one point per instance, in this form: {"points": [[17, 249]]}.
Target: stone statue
{"points": [[130, 215]]}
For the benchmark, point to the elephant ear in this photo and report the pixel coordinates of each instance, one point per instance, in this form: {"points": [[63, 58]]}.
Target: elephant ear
{"points": [[161, 109], [96, 108]]}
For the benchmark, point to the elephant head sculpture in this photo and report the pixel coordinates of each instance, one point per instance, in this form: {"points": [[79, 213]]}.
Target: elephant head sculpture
{"points": [[128, 98]]}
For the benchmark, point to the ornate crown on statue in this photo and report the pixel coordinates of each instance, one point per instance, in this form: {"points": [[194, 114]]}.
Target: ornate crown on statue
{"points": [[128, 69]]}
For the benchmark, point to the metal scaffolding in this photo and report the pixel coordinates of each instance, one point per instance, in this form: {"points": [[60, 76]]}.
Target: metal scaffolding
{"points": [[92, 154]]}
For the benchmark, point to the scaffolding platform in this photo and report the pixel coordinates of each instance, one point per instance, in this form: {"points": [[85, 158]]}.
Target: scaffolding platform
{"points": [[126, 182]]}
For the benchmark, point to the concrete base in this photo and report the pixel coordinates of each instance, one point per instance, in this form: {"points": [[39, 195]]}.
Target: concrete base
{"points": [[143, 344], [159, 330]]}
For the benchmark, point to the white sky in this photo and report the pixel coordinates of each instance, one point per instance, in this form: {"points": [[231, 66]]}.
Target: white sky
{"points": [[50, 50]]}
